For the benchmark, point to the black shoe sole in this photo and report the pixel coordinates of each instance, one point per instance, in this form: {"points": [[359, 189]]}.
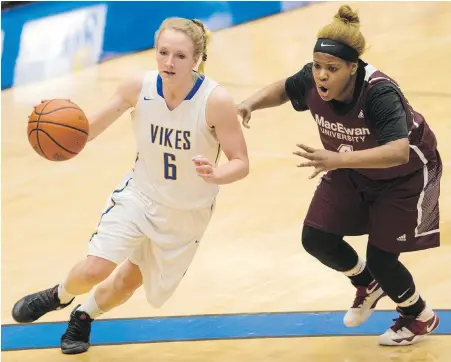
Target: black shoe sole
{"points": [[76, 350]]}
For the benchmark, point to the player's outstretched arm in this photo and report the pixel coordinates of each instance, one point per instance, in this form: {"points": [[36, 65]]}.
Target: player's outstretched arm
{"points": [[221, 114], [272, 95], [125, 97]]}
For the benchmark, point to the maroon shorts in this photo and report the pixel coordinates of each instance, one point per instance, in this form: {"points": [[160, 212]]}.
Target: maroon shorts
{"points": [[399, 215]]}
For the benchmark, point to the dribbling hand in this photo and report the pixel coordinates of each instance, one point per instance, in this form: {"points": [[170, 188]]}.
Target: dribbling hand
{"points": [[244, 112], [204, 169]]}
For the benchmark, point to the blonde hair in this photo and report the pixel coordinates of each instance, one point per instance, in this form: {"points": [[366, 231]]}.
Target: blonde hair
{"points": [[345, 28], [195, 30]]}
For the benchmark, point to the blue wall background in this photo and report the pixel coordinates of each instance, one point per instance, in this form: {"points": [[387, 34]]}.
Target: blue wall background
{"points": [[45, 39]]}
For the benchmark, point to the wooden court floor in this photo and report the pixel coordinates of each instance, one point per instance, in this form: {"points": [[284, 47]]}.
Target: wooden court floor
{"points": [[251, 269]]}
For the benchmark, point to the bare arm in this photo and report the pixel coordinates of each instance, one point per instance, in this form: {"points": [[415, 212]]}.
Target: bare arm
{"points": [[391, 154], [221, 114], [125, 97], [271, 96]]}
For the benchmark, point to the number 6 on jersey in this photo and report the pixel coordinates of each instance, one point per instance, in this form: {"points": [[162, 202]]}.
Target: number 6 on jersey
{"points": [[170, 170]]}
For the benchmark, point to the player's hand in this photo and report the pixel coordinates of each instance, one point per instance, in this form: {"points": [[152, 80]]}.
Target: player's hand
{"points": [[42, 101], [204, 169], [321, 160], [244, 111], [46, 100]]}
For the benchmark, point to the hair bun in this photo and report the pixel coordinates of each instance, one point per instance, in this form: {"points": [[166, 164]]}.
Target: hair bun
{"points": [[347, 15]]}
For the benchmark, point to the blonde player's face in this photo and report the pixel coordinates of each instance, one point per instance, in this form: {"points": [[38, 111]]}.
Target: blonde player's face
{"points": [[332, 76], [175, 55]]}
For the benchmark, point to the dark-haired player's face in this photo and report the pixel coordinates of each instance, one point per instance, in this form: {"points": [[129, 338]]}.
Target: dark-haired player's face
{"points": [[175, 55], [332, 76]]}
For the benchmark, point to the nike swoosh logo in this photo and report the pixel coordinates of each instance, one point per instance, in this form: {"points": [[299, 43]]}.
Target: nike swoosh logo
{"points": [[327, 45], [403, 294], [148, 99], [369, 291], [430, 327]]}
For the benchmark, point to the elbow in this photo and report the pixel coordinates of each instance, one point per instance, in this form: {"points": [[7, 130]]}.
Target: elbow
{"points": [[402, 156], [92, 136], [246, 168], [398, 152], [246, 172]]}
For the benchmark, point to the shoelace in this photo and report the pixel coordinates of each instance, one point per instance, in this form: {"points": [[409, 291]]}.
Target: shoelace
{"points": [[361, 295], [41, 302], [401, 322], [78, 329]]}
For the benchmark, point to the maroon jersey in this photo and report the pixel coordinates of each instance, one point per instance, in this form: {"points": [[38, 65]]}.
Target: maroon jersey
{"points": [[397, 207], [352, 130]]}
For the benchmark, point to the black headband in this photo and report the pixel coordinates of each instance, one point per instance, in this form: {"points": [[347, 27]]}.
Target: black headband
{"points": [[336, 49]]}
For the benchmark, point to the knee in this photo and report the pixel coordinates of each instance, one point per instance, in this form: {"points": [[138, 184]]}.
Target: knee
{"points": [[317, 242], [127, 279], [96, 270], [309, 241]]}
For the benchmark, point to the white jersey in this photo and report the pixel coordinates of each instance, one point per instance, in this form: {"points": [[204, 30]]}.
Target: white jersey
{"points": [[168, 140]]}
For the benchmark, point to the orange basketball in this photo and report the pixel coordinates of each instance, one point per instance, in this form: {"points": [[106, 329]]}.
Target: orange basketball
{"points": [[58, 129]]}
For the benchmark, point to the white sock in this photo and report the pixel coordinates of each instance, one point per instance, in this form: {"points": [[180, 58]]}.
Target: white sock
{"points": [[90, 307], [360, 267], [63, 295]]}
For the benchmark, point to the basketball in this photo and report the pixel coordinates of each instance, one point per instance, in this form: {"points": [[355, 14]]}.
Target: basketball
{"points": [[58, 129]]}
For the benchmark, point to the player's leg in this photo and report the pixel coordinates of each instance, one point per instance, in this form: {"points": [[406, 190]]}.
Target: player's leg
{"points": [[106, 249], [159, 263], [405, 218], [337, 210], [83, 276], [416, 319], [175, 239], [109, 294], [118, 236], [116, 290]]}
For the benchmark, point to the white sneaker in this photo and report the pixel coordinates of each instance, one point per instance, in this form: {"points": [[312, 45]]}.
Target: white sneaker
{"points": [[364, 303], [409, 329]]}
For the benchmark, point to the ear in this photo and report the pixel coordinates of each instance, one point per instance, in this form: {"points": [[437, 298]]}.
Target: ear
{"points": [[196, 62], [354, 67]]}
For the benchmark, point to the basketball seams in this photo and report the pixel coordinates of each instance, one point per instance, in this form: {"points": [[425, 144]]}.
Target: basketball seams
{"points": [[49, 136], [75, 105], [73, 127], [61, 125], [54, 110], [37, 128]]}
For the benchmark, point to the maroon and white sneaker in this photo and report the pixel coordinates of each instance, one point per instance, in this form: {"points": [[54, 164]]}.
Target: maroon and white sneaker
{"points": [[409, 329], [364, 303]]}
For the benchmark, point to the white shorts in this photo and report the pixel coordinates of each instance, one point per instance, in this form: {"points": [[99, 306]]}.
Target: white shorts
{"points": [[162, 241]]}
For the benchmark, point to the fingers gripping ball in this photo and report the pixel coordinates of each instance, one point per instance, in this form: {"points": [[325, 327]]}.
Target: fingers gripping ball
{"points": [[57, 129]]}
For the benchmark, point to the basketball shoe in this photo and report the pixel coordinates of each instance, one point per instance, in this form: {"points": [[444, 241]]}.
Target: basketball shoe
{"points": [[364, 303], [76, 338], [410, 329], [32, 307]]}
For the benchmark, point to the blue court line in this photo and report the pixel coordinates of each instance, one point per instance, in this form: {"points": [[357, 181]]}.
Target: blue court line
{"points": [[206, 327]]}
